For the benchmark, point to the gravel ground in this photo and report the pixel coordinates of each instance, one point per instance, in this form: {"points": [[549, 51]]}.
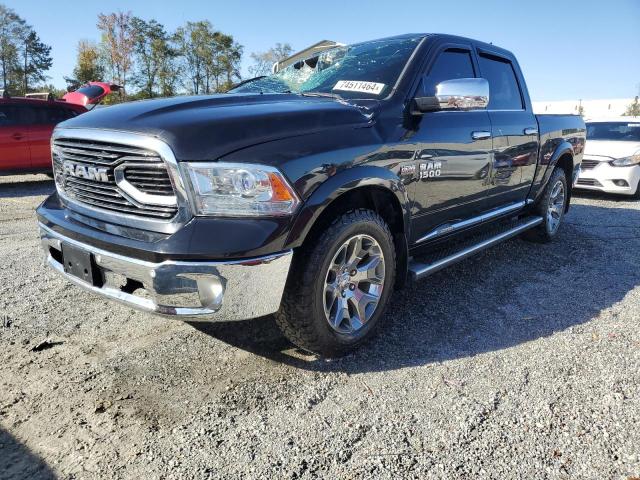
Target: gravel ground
{"points": [[523, 362]]}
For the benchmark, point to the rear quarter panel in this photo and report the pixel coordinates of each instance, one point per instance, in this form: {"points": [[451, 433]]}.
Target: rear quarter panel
{"points": [[559, 135]]}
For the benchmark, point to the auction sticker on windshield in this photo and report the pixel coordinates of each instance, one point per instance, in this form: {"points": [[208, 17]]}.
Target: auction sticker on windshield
{"points": [[357, 86]]}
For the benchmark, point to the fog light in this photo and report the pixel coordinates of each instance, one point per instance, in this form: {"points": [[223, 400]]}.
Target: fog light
{"points": [[621, 183]]}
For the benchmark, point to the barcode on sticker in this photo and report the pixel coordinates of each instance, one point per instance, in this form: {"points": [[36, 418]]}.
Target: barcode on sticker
{"points": [[357, 86]]}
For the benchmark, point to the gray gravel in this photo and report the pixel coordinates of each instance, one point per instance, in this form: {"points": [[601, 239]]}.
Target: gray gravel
{"points": [[523, 362]]}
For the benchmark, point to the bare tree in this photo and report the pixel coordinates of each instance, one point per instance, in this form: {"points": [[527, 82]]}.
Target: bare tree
{"points": [[263, 61], [118, 44]]}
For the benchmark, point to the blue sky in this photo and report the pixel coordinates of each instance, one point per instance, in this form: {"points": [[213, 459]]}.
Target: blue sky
{"points": [[568, 49]]}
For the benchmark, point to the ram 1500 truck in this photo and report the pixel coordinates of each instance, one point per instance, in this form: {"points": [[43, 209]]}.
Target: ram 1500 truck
{"points": [[311, 193]]}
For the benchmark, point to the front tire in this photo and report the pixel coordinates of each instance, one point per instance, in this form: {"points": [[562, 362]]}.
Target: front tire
{"points": [[551, 207], [339, 285]]}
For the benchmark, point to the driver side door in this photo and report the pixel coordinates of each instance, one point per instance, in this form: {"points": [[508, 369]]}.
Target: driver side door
{"points": [[453, 152]]}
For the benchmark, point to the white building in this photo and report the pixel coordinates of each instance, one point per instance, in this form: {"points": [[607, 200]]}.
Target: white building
{"points": [[612, 107]]}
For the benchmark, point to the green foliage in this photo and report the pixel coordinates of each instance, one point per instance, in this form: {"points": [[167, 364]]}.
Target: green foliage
{"points": [[36, 60], [156, 70], [89, 66], [23, 57], [210, 59]]}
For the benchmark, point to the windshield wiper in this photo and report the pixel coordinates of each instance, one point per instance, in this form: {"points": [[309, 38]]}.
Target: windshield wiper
{"points": [[248, 80], [321, 94]]}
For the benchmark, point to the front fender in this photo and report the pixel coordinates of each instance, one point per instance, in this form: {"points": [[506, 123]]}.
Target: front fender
{"points": [[342, 182]]}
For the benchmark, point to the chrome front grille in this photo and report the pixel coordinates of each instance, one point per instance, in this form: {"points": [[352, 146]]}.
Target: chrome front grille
{"points": [[114, 177], [589, 164]]}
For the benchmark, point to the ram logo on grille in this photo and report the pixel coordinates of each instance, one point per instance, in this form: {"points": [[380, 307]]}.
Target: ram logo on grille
{"points": [[98, 174]]}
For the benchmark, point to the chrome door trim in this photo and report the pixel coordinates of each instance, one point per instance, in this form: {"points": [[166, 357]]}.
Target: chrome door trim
{"points": [[470, 222], [184, 213]]}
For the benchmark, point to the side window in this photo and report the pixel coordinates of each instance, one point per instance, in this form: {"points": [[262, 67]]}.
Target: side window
{"points": [[504, 92], [8, 116], [450, 64], [52, 115]]}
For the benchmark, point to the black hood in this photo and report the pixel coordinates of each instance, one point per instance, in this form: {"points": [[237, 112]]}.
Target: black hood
{"points": [[208, 127]]}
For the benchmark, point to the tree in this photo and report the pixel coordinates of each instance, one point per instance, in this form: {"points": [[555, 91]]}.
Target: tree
{"points": [[12, 29], [36, 60], [263, 61], [191, 43], [210, 59], [89, 66], [633, 109], [155, 59], [117, 46]]}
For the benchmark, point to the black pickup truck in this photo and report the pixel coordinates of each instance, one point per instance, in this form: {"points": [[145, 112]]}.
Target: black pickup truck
{"points": [[311, 193]]}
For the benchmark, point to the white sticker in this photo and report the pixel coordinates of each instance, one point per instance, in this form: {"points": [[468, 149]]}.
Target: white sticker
{"points": [[357, 86]]}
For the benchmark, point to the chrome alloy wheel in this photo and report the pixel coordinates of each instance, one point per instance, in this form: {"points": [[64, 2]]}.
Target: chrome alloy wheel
{"points": [[556, 206], [354, 284]]}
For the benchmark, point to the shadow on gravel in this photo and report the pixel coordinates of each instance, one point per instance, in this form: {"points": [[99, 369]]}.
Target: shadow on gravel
{"points": [[28, 188], [511, 294], [17, 462]]}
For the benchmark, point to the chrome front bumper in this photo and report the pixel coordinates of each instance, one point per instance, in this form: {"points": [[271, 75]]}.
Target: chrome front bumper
{"points": [[232, 290]]}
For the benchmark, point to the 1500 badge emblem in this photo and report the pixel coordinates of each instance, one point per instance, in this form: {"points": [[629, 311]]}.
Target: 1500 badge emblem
{"points": [[430, 169], [98, 174]]}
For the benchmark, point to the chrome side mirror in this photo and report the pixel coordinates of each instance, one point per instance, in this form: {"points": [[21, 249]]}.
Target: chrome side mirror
{"points": [[456, 94]]}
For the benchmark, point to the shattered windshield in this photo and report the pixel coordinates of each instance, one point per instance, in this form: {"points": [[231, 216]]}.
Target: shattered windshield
{"points": [[364, 70]]}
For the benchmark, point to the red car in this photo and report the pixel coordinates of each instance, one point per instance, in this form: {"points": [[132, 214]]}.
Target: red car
{"points": [[26, 125]]}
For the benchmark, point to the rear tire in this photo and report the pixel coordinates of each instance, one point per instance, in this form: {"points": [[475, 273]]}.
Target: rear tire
{"points": [[551, 207], [339, 285]]}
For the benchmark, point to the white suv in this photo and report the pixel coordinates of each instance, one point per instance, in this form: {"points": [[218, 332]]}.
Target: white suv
{"points": [[611, 160]]}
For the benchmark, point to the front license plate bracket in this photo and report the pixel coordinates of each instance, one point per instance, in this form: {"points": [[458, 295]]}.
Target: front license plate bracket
{"points": [[81, 264]]}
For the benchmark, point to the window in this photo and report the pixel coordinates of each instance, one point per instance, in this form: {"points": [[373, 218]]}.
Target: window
{"points": [[620, 131], [504, 93], [8, 115], [91, 91], [52, 115], [449, 65]]}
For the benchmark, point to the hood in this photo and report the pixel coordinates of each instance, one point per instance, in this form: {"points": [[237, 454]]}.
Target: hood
{"points": [[208, 127], [610, 148]]}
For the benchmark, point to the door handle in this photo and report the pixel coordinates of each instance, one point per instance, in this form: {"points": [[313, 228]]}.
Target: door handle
{"points": [[480, 135], [17, 136], [530, 131]]}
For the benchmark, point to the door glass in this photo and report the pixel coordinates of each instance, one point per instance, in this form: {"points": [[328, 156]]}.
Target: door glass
{"points": [[504, 92], [8, 115], [450, 64]]}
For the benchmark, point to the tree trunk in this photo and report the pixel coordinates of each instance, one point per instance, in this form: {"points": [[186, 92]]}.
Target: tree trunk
{"points": [[26, 62]]}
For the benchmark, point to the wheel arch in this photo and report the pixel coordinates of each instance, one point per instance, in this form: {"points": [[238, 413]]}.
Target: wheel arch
{"points": [[562, 157], [373, 188]]}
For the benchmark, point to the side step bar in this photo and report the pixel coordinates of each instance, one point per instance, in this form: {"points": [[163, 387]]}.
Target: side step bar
{"points": [[434, 263]]}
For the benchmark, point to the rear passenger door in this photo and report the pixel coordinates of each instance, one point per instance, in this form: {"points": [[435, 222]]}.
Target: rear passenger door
{"points": [[513, 128], [43, 119], [14, 143]]}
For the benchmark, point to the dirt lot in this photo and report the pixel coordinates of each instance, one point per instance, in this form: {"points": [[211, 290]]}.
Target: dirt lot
{"points": [[521, 363]]}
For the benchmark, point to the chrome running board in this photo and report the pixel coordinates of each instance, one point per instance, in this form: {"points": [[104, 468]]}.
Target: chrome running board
{"points": [[430, 264]]}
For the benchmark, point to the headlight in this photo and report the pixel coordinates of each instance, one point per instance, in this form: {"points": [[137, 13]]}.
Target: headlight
{"points": [[627, 161], [239, 190]]}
